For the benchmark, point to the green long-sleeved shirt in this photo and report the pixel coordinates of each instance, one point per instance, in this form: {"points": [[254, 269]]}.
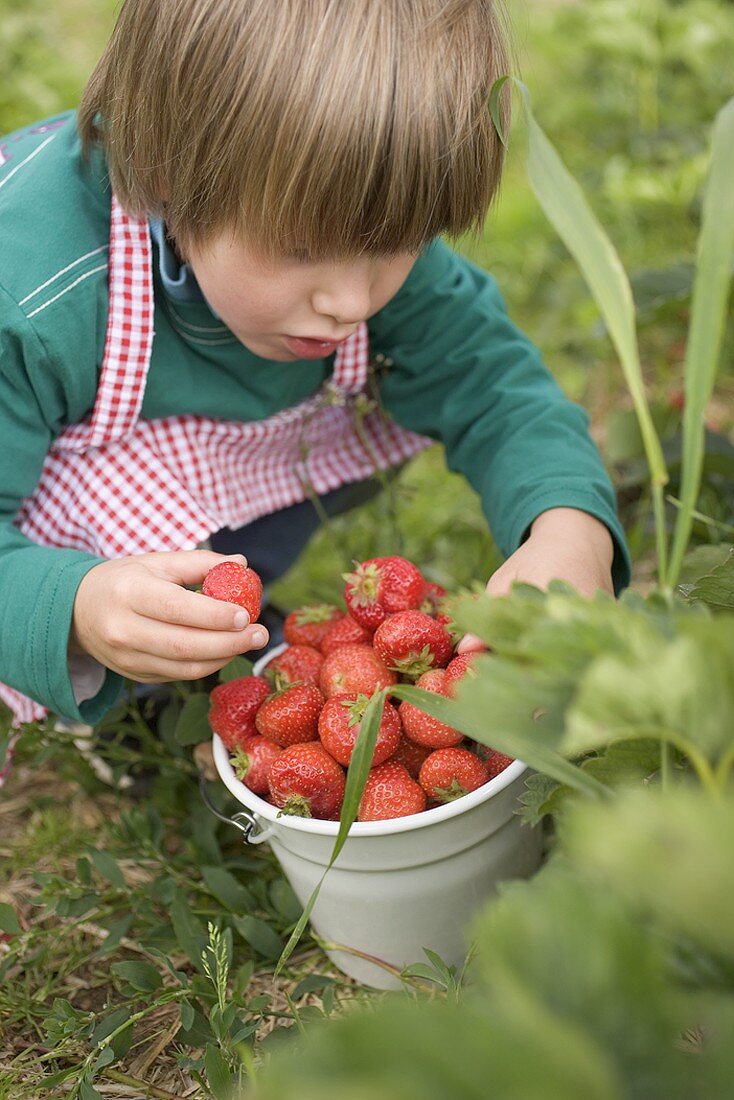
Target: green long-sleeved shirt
{"points": [[462, 373]]}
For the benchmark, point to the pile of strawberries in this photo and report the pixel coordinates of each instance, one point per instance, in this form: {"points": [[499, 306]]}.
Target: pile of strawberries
{"points": [[292, 731]]}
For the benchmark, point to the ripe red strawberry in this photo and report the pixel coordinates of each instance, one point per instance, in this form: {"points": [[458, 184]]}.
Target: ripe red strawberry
{"points": [[307, 782], [233, 708], [352, 669], [345, 631], [412, 643], [310, 625], [381, 586], [390, 792], [433, 603], [450, 773], [411, 755], [458, 668], [296, 664], [292, 715], [340, 721], [235, 583], [496, 762], [252, 762], [421, 727]]}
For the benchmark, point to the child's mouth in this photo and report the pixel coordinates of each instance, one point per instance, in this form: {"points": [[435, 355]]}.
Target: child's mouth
{"points": [[305, 348]]}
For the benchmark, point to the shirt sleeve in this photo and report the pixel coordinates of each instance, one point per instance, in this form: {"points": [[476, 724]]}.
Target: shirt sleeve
{"points": [[464, 374], [38, 584]]}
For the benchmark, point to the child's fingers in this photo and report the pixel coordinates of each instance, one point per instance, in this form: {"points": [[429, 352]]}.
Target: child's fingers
{"points": [[187, 566], [470, 644], [188, 644], [167, 602]]}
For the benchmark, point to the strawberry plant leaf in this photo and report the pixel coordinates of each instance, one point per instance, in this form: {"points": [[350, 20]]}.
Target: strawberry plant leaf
{"points": [[536, 798], [115, 931], [107, 866], [563, 943], [109, 1024], [628, 850], [193, 725], [141, 975], [188, 929], [187, 1015], [716, 589], [680, 690], [105, 1056], [625, 763], [218, 1075], [359, 767], [259, 935], [8, 919], [227, 889], [237, 667], [88, 1092]]}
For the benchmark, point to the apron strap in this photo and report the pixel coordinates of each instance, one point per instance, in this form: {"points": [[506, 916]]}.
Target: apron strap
{"points": [[129, 336]]}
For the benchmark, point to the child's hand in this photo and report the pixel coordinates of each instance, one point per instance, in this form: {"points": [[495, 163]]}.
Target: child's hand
{"points": [[135, 617], [564, 544]]}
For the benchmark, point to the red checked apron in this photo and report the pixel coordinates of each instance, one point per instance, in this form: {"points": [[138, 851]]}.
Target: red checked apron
{"points": [[116, 485]]}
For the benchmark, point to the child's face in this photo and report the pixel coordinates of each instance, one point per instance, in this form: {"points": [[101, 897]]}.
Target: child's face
{"points": [[268, 303]]}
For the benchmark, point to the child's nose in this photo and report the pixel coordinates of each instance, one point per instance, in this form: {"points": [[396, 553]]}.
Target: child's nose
{"points": [[345, 297]]}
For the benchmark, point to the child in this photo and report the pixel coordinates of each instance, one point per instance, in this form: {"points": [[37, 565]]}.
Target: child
{"points": [[198, 269]]}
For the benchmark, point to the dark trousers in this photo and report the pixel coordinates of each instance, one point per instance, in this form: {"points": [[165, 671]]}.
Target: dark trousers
{"points": [[272, 543]]}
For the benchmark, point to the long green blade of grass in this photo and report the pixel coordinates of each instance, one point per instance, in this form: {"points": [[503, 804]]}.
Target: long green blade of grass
{"points": [[565, 206], [359, 768], [708, 312]]}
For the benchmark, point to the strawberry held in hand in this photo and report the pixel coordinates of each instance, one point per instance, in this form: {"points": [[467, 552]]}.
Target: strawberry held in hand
{"points": [[233, 708], [340, 722], [306, 782], [291, 715], [235, 583], [412, 643], [381, 586]]}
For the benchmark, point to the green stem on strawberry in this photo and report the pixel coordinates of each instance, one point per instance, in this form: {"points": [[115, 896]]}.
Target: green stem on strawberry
{"points": [[296, 806]]}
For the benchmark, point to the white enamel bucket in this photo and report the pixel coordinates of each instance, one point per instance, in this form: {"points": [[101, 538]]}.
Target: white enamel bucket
{"points": [[401, 885]]}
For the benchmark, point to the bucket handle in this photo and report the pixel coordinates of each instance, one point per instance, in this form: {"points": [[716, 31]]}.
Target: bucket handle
{"points": [[245, 821]]}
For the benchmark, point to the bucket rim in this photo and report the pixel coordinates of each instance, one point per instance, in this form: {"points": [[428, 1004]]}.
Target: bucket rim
{"points": [[386, 827]]}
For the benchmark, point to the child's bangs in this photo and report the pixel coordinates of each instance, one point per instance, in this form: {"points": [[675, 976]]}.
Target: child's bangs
{"points": [[328, 129]]}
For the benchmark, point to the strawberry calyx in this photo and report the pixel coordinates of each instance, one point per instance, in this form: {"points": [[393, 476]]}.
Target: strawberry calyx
{"points": [[315, 613], [296, 806], [415, 664], [363, 584], [279, 682], [241, 763], [356, 708], [449, 794]]}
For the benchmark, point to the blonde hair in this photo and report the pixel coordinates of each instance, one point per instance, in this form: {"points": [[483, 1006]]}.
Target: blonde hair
{"points": [[334, 126]]}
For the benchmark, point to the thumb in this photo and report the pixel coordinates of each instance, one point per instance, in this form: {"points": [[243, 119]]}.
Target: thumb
{"points": [[189, 566], [470, 644]]}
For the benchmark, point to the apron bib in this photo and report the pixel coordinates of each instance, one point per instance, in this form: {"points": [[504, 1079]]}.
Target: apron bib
{"points": [[116, 485]]}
